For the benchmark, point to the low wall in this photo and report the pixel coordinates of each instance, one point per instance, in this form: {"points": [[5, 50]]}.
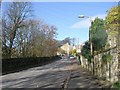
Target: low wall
{"points": [[17, 64]]}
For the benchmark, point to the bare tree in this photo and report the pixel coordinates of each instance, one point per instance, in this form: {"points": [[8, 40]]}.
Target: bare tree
{"points": [[13, 19], [25, 37], [44, 40], [66, 40]]}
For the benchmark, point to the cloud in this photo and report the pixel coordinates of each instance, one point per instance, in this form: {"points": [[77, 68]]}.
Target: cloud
{"points": [[85, 23]]}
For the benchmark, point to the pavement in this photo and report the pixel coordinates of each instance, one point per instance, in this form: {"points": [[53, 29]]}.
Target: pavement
{"points": [[61, 74], [81, 78]]}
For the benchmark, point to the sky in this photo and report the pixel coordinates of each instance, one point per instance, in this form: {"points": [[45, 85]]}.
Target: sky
{"points": [[64, 15], [61, 0]]}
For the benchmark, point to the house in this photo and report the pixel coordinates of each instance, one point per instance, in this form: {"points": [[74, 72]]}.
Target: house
{"points": [[66, 47]]}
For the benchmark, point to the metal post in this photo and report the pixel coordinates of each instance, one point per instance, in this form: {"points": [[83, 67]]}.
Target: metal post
{"points": [[91, 45]]}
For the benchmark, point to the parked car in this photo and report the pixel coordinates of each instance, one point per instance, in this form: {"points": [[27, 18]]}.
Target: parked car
{"points": [[71, 57]]}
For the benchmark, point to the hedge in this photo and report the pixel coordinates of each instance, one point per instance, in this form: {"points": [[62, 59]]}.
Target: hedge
{"points": [[18, 64]]}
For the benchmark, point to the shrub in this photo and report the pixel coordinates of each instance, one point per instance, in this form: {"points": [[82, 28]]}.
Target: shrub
{"points": [[98, 34], [86, 51], [117, 85], [107, 58]]}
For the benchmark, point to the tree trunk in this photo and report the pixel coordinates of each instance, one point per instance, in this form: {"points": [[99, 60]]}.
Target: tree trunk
{"points": [[12, 40]]}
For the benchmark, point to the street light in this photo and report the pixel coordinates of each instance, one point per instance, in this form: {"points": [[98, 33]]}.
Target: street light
{"points": [[91, 45], [82, 16]]}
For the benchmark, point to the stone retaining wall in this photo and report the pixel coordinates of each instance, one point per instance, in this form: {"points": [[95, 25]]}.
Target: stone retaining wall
{"points": [[105, 71]]}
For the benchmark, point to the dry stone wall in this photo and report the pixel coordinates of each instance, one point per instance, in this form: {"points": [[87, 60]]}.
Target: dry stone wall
{"points": [[104, 70]]}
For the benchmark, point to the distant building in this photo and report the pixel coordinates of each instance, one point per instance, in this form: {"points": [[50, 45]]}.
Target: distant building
{"points": [[78, 48], [66, 47]]}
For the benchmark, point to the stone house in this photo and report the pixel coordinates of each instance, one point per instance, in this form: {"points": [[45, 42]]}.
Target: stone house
{"points": [[66, 47]]}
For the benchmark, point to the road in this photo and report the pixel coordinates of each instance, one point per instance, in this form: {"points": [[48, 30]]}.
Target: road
{"points": [[61, 74], [47, 76]]}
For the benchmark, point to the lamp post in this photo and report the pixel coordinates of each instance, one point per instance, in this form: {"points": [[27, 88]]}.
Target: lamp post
{"points": [[91, 45], [82, 16]]}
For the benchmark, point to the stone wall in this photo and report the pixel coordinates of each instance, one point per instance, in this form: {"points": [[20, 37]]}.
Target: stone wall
{"points": [[106, 71], [118, 39]]}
